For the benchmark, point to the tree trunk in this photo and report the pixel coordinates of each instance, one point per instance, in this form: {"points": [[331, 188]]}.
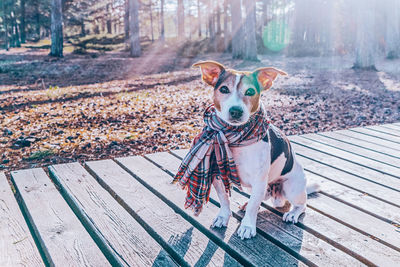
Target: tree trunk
{"points": [[181, 20], [250, 29], [37, 17], [264, 16], [199, 17], [108, 22], [136, 50], [227, 33], [365, 41], [22, 25], [83, 31], [237, 29], [392, 29], [6, 41], [162, 32], [126, 20], [151, 21], [56, 29], [218, 18]]}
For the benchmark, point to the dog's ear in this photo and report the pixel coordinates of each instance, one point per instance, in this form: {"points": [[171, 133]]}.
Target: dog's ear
{"points": [[265, 76], [210, 71]]}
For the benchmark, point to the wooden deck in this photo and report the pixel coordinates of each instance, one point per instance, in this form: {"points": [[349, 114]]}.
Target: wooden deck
{"points": [[126, 212]]}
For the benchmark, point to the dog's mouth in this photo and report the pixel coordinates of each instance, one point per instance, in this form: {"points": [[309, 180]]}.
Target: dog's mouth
{"points": [[236, 122]]}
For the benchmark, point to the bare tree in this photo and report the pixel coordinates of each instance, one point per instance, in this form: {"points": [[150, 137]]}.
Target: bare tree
{"points": [[237, 29], [126, 20], [136, 50], [181, 20], [365, 41], [250, 29], [6, 42], [37, 18], [227, 34], [22, 24], [392, 29], [162, 31], [199, 17], [151, 20], [56, 29]]}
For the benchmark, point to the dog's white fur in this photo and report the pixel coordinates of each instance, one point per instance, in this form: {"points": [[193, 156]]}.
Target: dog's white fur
{"points": [[256, 172]]}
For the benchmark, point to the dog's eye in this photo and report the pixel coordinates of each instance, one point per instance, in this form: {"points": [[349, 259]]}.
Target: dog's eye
{"points": [[250, 92], [224, 90]]}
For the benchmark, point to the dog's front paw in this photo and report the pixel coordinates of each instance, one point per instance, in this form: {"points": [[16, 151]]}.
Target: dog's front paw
{"points": [[293, 215], [220, 221], [246, 231]]}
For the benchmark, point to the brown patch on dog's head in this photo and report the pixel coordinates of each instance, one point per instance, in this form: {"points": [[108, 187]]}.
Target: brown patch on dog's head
{"points": [[236, 93], [266, 76], [210, 71]]}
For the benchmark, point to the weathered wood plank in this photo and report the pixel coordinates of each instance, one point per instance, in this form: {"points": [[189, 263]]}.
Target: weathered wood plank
{"points": [[380, 135], [391, 126], [381, 129], [377, 167], [16, 242], [349, 167], [358, 199], [325, 227], [299, 241], [394, 147], [383, 232], [377, 148], [353, 149], [60, 233], [350, 180], [183, 238], [130, 244], [257, 251]]}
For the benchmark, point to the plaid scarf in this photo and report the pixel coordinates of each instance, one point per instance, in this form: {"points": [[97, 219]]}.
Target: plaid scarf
{"points": [[210, 156]]}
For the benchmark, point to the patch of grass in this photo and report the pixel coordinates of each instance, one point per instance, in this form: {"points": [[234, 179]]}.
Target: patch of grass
{"points": [[38, 155]]}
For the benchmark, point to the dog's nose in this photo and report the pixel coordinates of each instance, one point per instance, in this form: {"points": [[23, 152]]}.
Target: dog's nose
{"points": [[236, 112]]}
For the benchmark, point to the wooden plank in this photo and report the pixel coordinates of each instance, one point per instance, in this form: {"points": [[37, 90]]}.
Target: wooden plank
{"points": [[349, 167], [353, 149], [394, 147], [350, 180], [374, 147], [61, 235], [183, 238], [380, 135], [107, 220], [16, 243], [325, 227], [365, 223], [317, 250], [257, 251], [391, 126], [378, 168], [381, 129], [356, 199]]}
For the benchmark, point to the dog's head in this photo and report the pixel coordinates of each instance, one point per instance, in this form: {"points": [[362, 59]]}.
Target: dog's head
{"points": [[236, 93]]}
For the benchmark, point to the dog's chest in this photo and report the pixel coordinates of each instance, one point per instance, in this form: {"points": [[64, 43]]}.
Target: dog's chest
{"points": [[252, 162]]}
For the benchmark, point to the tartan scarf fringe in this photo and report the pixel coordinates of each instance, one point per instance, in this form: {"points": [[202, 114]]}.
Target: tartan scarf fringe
{"points": [[210, 156]]}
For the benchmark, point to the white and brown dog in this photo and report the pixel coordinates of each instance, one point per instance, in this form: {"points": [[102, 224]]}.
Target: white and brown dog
{"points": [[268, 167]]}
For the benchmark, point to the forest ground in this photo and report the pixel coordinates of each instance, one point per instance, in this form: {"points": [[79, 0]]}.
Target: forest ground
{"points": [[96, 106]]}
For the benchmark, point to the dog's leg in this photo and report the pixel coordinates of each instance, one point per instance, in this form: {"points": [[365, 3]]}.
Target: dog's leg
{"points": [[225, 211], [247, 228], [294, 189]]}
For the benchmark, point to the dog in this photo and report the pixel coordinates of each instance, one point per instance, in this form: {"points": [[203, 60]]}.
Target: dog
{"points": [[269, 167]]}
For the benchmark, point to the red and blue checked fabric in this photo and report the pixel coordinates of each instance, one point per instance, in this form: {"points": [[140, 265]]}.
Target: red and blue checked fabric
{"points": [[210, 156]]}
